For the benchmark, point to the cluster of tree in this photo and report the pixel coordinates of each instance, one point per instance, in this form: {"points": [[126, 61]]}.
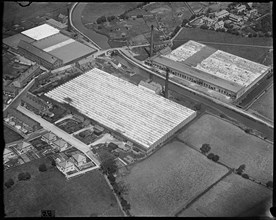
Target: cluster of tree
{"points": [[241, 169], [175, 30], [139, 16], [231, 31], [193, 16], [101, 20], [9, 183], [124, 16], [264, 25], [42, 168], [213, 157], [184, 22], [205, 148], [108, 164], [269, 184], [24, 176], [220, 30], [204, 26]]}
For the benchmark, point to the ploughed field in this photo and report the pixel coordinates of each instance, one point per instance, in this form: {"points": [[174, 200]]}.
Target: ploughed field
{"points": [[169, 179], [231, 197], [233, 146]]}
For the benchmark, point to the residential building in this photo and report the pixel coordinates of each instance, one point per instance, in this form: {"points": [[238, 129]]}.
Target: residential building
{"points": [[221, 14], [27, 76], [8, 154], [64, 166], [79, 159], [60, 144], [23, 147], [235, 18], [34, 103], [208, 21], [241, 8], [38, 55], [49, 137], [219, 25]]}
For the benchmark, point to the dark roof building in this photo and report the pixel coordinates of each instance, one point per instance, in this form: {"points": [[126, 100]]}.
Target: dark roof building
{"points": [[34, 101], [26, 76], [14, 40], [37, 55]]}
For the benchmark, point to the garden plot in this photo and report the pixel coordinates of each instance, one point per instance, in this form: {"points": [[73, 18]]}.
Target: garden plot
{"points": [[169, 180], [232, 145], [229, 198]]}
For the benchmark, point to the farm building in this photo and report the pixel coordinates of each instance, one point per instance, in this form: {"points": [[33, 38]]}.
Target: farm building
{"points": [[214, 69], [144, 118]]}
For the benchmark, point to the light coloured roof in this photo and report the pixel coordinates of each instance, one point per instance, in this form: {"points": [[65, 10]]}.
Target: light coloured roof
{"points": [[50, 41], [60, 142], [140, 115], [49, 136], [7, 151], [65, 164], [41, 31], [72, 51], [23, 144], [79, 157], [221, 13]]}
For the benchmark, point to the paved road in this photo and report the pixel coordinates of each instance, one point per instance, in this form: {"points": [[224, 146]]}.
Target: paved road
{"points": [[60, 133]]}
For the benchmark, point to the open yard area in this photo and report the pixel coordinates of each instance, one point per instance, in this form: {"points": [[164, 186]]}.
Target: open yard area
{"points": [[83, 196], [10, 135], [219, 40], [230, 197], [265, 105], [233, 146], [169, 180]]}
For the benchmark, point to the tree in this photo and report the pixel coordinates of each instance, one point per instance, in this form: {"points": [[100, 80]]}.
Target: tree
{"points": [[184, 22], [53, 162], [125, 204], [241, 169], [192, 17], [204, 26], [42, 168], [245, 176], [210, 156], [205, 148], [111, 178], [215, 158], [269, 184], [9, 183], [109, 166], [24, 176]]}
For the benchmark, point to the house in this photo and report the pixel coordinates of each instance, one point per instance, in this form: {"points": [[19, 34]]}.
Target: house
{"points": [[60, 144], [49, 137], [219, 25], [34, 103], [64, 166], [221, 14], [23, 147], [241, 8], [80, 159], [235, 18], [8, 154], [27, 76]]}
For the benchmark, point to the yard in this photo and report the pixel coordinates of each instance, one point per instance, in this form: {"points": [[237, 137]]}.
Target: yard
{"points": [[265, 105], [233, 146], [169, 179], [217, 40], [10, 135], [230, 197], [81, 196]]}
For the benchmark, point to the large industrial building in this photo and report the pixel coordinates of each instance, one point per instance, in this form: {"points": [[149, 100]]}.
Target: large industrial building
{"points": [[47, 46], [214, 69], [137, 114]]}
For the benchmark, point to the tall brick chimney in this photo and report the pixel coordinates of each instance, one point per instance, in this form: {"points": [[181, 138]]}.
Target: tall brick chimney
{"points": [[151, 41]]}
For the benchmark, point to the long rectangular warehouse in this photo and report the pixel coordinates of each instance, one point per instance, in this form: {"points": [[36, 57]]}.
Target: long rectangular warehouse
{"points": [[143, 117]]}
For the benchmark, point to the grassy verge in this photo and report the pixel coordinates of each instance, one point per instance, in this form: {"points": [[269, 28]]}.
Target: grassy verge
{"points": [[10, 135]]}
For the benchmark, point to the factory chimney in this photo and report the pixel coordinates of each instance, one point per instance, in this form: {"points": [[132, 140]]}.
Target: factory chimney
{"points": [[68, 14], [167, 83], [151, 41]]}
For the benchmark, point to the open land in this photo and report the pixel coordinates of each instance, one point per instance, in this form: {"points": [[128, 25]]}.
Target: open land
{"points": [[229, 198], [264, 105], [233, 146], [211, 38], [85, 195], [10, 135], [169, 179]]}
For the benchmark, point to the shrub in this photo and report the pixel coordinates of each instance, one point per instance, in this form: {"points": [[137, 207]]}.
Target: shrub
{"points": [[269, 184], [241, 169], [205, 148], [248, 130], [111, 178], [42, 168], [24, 176], [245, 176], [9, 183], [215, 158], [210, 156]]}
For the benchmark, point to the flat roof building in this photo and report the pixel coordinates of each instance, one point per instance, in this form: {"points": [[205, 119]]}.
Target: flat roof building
{"points": [[27, 76], [215, 69], [41, 32], [141, 116]]}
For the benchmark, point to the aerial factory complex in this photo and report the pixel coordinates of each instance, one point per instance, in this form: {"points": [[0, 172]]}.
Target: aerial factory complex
{"points": [[211, 68], [140, 115]]}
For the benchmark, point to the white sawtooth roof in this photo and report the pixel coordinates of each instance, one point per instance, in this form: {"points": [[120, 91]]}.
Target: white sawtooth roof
{"points": [[41, 32], [138, 114]]}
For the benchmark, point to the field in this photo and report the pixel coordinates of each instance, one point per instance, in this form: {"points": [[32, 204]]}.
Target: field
{"points": [[232, 145], [10, 135], [230, 198], [211, 38], [169, 180], [265, 105], [81, 196]]}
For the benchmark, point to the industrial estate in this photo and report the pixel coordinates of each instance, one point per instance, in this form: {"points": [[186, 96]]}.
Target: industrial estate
{"points": [[153, 123]]}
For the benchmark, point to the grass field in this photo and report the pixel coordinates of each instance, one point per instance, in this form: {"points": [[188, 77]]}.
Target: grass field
{"points": [[233, 146], [229, 198], [10, 135], [30, 12], [78, 197], [169, 179], [251, 53], [265, 105]]}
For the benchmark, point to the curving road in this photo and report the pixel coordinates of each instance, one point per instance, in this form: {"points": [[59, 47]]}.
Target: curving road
{"points": [[76, 21]]}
